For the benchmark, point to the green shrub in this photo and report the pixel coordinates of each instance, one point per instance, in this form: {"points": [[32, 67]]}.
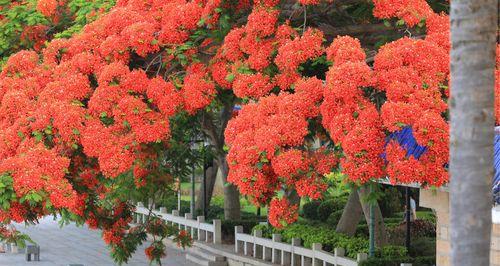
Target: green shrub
{"points": [[310, 210], [327, 207], [228, 226], [418, 261], [392, 252], [319, 234], [423, 246], [267, 231], [385, 261], [171, 204], [390, 202], [334, 218]]}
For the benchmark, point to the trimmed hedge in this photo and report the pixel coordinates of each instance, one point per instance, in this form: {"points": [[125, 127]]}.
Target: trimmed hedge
{"points": [[319, 234], [327, 207], [419, 261], [310, 209]]}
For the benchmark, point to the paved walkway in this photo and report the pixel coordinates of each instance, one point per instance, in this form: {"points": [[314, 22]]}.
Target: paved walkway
{"points": [[78, 245]]}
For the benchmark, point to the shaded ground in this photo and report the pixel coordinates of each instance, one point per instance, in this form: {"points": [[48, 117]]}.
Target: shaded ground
{"points": [[78, 245]]}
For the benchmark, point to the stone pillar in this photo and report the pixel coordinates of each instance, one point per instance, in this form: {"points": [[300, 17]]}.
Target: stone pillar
{"points": [[439, 201]]}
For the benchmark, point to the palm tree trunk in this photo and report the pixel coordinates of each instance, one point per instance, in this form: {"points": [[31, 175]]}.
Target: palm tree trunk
{"points": [[473, 37], [351, 215], [380, 231]]}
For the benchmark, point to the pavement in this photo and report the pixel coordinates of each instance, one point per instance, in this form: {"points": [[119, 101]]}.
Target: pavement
{"points": [[78, 245]]}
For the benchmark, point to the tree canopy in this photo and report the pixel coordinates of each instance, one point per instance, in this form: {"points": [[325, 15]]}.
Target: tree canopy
{"points": [[86, 118]]}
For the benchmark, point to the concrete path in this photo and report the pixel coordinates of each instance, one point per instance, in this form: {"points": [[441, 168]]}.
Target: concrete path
{"points": [[78, 245]]}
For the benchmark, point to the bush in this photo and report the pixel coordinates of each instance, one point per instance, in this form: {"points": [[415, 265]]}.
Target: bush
{"points": [[418, 261], [390, 202], [327, 207], [227, 227], [392, 252], [423, 246], [319, 234], [385, 261], [310, 210], [334, 218], [419, 228], [171, 204]]}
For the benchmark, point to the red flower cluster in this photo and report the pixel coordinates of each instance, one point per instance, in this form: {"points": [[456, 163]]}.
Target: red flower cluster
{"points": [[262, 159], [351, 119], [414, 73], [281, 213], [411, 11], [245, 60]]}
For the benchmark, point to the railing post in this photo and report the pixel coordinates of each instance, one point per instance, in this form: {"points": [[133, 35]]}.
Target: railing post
{"points": [[201, 233], [217, 231], [176, 213], [188, 216], [295, 259], [316, 247], [276, 253], [361, 257], [238, 248], [257, 249], [163, 210]]}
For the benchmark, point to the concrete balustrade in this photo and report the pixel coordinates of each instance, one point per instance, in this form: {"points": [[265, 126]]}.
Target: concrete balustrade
{"points": [[277, 252], [198, 228]]}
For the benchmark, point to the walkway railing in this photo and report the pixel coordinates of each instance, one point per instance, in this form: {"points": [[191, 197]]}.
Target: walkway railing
{"points": [[199, 229], [275, 251]]}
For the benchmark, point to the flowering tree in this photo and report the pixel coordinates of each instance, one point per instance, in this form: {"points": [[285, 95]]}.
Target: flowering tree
{"points": [[86, 121], [29, 24]]}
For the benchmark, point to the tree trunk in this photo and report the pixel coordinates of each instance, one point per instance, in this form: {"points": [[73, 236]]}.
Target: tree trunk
{"points": [[232, 207], [380, 232], [473, 37], [211, 178], [351, 215], [215, 133], [292, 196]]}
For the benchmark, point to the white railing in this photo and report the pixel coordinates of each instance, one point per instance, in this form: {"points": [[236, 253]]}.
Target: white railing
{"points": [[199, 229], [277, 252]]}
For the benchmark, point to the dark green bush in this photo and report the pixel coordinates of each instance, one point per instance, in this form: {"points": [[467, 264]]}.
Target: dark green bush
{"points": [[390, 201], [310, 210], [423, 246], [320, 234], [327, 207], [171, 204], [334, 218], [385, 261], [227, 226], [418, 261], [392, 252]]}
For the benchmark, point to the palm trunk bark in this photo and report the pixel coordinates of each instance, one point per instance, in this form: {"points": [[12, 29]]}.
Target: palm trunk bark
{"points": [[351, 215], [473, 36], [380, 231]]}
